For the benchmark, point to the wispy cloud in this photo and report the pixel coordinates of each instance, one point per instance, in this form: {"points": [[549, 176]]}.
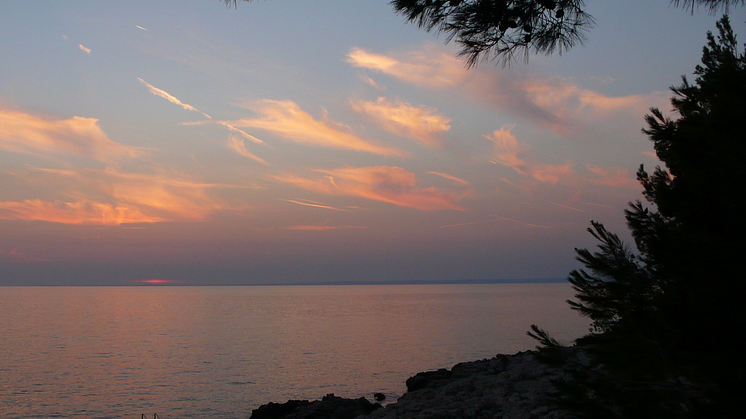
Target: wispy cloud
{"points": [[523, 223], [567, 207], [507, 148], [241, 132], [464, 224], [555, 103], [323, 228], [78, 212], [19, 256], [162, 93], [426, 68], [614, 178], [372, 83], [230, 127], [84, 49], [456, 180], [393, 185], [315, 205], [419, 123], [237, 144], [31, 134], [111, 197], [496, 218], [510, 152], [140, 27], [287, 120]]}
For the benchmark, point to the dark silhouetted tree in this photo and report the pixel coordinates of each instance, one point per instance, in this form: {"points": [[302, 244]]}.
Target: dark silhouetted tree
{"points": [[665, 320]]}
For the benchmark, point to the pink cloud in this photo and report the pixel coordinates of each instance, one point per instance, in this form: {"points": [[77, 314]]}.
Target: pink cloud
{"points": [[78, 212], [237, 144], [22, 132], [393, 185], [512, 153], [555, 103], [110, 197], [315, 205], [419, 123], [287, 120]]}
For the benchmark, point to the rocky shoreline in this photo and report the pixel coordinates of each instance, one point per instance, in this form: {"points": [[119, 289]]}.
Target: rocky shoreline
{"points": [[505, 386]]}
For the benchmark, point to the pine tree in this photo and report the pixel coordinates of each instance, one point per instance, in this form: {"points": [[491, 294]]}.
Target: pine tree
{"points": [[505, 30], [665, 319]]}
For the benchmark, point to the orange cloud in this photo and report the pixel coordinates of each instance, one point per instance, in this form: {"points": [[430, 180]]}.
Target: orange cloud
{"points": [[427, 68], [162, 93], [26, 133], [84, 49], [79, 212], [109, 197], [287, 120], [552, 173], [236, 144], [416, 122], [555, 103], [393, 185], [509, 152], [507, 149], [614, 178]]}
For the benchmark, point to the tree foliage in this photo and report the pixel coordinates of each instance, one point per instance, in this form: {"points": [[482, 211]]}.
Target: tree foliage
{"points": [[665, 318], [502, 29], [508, 30]]}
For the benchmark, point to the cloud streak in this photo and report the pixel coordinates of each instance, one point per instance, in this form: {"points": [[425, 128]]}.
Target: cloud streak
{"points": [[288, 121], [237, 144], [22, 132], [165, 95], [392, 185], [315, 205], [79, 212], [84, 49], [322, 228], [419, 123]]}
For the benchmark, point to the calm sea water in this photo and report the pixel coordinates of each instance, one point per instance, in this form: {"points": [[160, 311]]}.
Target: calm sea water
{"points": [[219, 352]]}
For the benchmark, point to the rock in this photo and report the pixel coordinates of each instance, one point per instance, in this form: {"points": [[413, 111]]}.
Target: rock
{"points": [[277, 410], [329, 407], [506, 387], [379, 397], [429, 379]]}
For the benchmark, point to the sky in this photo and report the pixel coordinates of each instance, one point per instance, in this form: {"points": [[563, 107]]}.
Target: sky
{"points": [[285, 142]]}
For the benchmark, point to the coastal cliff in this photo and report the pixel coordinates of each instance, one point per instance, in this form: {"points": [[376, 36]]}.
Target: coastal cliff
{"points": [[505, 386]]}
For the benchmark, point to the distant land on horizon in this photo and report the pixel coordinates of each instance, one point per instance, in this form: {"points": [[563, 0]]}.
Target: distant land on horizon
{"points": [[173, 283]]}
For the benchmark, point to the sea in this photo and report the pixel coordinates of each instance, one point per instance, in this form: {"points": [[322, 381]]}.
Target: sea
{"points": [[219, 352]]}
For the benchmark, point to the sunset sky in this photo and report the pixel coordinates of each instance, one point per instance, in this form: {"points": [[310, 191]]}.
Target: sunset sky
{"points": [[315, 141]]}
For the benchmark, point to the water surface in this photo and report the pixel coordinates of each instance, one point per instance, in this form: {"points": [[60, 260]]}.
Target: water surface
{"points": [[118, 352]]}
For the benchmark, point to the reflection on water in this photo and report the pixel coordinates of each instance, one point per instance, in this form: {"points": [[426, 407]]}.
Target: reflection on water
{"points": [[117, 352]]}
